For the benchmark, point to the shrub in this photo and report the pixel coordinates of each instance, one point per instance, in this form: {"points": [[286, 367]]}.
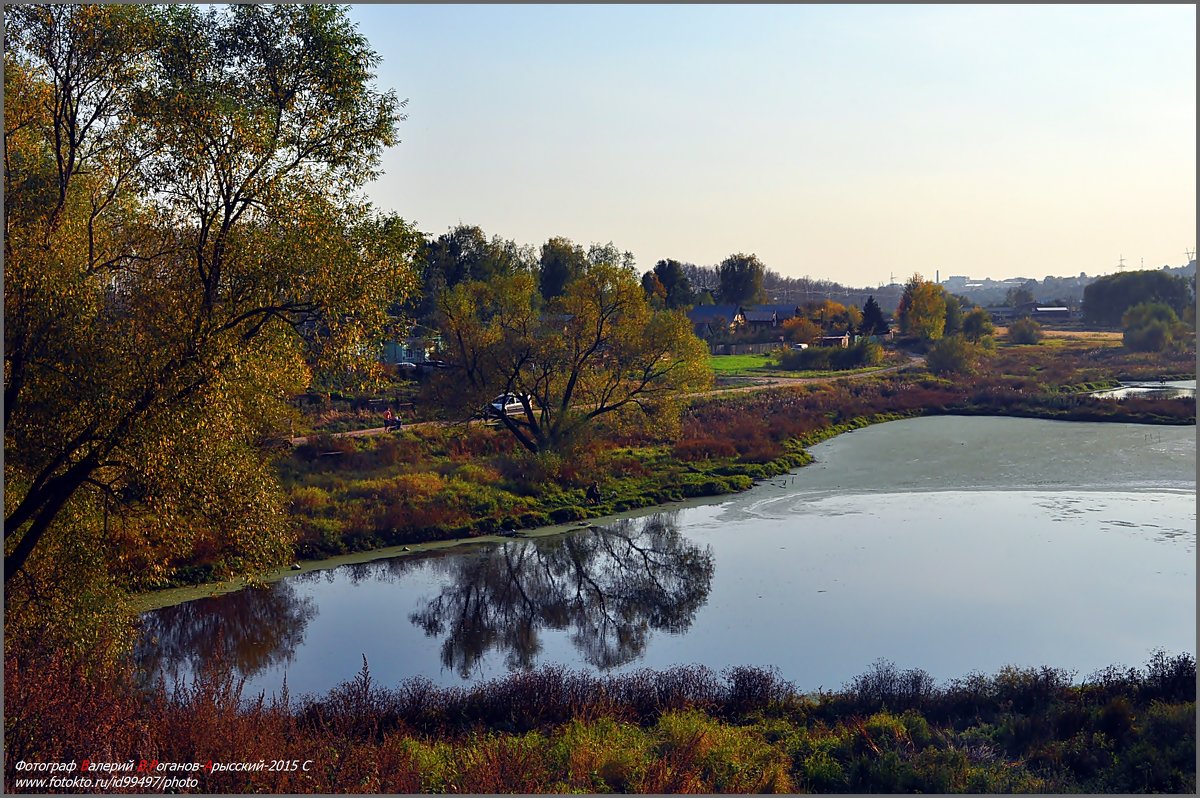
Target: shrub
{"points": [[759, 449], [863, 353], [1116, 718], [1024, 331], [533, 519], [887, 686], [562, 515], [320, 535], [813, 358], [1151, 327], [1170, 678], [707, 448], [977, 325], [557, 731], [952, 355], [319, 446], [480, 501], [480, 474], [824, 773], [413, 487], [755, 688], [1153, 336], [309, 499], [387, 451]]}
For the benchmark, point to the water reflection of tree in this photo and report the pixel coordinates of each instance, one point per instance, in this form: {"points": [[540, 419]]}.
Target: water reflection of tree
{"points": [[612, 587], [255, 629]]}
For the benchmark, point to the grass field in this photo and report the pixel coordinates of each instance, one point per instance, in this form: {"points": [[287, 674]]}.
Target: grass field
{"points": [[1089, 337], [730, 365]]}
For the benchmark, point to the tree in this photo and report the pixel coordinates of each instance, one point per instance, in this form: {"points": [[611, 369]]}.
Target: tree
{"points": [[741, 279], [872, 322], [1020, 296], [459, 254], [562, 260], [465, 253], [801, 330], [1188, 316], [853, 318], [656, 294], [955, 306], [830, 316], [1024, 331], [671, 275], [180, 249], [1106, 299], [977, 324], [610, 585], [596, 349], [922, 309], [702, 278]]}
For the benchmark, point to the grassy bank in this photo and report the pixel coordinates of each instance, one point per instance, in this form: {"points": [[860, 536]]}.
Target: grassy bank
{"points": [[687, 729]]}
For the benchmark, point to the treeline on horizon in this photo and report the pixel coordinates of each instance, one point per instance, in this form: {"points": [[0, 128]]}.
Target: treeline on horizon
{"points": [[686, 729], [465, 252]]}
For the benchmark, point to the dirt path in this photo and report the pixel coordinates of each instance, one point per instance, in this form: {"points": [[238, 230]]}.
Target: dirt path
{"points": [[760, 384]]}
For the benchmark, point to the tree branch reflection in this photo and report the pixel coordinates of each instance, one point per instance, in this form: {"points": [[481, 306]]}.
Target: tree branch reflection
{"points": [[256, 629], [611, 587]]}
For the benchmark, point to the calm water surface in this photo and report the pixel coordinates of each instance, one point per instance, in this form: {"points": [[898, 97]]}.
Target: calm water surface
{"points": [[951, 544], [1169, 389]]}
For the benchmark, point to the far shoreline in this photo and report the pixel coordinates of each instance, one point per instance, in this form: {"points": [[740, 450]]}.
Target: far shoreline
{"points": [[173, 596]]}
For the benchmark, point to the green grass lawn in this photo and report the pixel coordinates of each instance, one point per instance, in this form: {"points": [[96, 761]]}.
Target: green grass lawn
{"points": [[730, 365]]}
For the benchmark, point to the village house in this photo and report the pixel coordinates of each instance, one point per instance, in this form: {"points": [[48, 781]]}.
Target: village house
{"points": [[760, 320], [712, 320], [768, 317], [412, 349]]}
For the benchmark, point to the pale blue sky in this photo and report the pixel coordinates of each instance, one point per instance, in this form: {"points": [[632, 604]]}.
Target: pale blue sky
{"points": [[843, 142]]}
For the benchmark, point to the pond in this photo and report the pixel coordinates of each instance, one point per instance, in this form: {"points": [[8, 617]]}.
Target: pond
{"points": [[947, 543], [1166, 389]]}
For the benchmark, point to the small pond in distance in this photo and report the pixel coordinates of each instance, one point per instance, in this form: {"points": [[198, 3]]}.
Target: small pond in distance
{"points": [[1168, 389]]}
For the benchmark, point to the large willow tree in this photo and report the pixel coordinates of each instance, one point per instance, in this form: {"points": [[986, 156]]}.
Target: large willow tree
{"points": [[183, 244], [597, 349]]}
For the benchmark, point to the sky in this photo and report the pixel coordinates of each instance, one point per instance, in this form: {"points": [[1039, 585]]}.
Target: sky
{"points": [[855, 143]]}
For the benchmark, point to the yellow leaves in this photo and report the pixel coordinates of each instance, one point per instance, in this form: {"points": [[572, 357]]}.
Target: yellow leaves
{"points": [[597, 348], [922, 309], [153, 295]]}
